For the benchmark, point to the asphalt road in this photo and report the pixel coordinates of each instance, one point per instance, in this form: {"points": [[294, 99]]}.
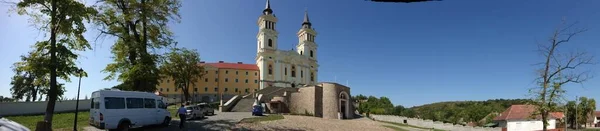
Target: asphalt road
{"points": [[218, 122]]}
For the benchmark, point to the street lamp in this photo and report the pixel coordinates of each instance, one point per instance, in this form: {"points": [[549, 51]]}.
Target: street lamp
{"points": [[79, 72]]}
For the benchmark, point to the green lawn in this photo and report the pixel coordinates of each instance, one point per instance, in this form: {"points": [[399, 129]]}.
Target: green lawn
{"points": [[394, 127], [591, 129], [62, 121], [262, 118], [407, 125]]}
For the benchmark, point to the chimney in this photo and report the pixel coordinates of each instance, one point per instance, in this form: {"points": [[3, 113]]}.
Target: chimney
{"points": [[202, 62], [220, 61], [240, 63]]}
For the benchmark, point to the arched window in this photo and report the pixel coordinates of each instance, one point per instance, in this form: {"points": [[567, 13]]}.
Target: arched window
{"points": [[312, 76], [270, 70], [293, 71], [270, 43], [343, 96], [311, 53]]}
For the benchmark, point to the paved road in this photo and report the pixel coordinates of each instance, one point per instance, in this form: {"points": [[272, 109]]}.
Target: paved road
{"points": [[218, 122]]}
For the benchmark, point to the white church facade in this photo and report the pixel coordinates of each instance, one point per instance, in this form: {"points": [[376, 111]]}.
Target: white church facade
{"points": [[285, 68]]}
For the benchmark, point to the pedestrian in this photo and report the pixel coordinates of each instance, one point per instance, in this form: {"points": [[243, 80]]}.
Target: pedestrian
{"points": [[181, 111]]}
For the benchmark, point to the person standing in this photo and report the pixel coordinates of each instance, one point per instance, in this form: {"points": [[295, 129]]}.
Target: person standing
{"points": [[181, 112]]}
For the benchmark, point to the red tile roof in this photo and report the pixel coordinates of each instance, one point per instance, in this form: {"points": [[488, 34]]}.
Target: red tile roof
{"points": [[523, 112], [239, 65], [597, 113]]}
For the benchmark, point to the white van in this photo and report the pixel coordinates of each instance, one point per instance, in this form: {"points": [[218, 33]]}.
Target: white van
{"points": [[113, 109]]}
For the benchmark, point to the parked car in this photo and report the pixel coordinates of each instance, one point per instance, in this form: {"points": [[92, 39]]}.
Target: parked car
{"points": [[114, 109], [206, 109], [8, 125], [193, 112], [257, 110]]}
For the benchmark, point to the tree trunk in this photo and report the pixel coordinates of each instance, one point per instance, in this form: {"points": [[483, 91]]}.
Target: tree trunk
{"points": [[53, 88], [544, 120]]}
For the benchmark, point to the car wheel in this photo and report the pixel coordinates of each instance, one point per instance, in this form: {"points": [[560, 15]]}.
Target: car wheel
{"points": [[166, 122], [124, 126]]}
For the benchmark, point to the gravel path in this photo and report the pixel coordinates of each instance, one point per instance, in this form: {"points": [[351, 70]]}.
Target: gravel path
{"points": [[314, 123]]}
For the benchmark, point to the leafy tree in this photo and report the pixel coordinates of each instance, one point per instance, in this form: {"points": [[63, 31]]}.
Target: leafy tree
{"points": [[557, 69], [139, 26], [64, 21], [585, 109], [571, 110], [181, 65]]}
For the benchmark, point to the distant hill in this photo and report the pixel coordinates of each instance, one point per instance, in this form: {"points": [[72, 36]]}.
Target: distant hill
{"points": [[462, 112]]}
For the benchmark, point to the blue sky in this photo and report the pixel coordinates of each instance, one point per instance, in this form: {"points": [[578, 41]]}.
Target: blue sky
{"points": [[414, 53]]}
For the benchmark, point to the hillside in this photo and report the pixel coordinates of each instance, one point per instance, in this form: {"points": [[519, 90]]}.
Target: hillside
{"points": [[462, 112]]}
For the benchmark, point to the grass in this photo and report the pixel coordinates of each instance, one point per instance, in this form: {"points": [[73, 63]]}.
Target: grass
{"points": [[263, 118], [407, 125], [394, 127], [61, 121], [591, 129]]}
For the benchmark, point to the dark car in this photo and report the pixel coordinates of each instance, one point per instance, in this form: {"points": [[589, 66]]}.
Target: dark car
{"points": [[257, 110]]}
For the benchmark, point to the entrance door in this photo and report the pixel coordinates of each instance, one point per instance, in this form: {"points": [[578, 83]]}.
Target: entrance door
{"points": [[343, 108]]}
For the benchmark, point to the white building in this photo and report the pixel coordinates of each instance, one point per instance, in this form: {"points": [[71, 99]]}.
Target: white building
{"points": [[519, 118], [285, 68]]}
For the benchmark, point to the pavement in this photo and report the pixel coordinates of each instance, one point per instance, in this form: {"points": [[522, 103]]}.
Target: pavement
{"points": [[218, 122]]}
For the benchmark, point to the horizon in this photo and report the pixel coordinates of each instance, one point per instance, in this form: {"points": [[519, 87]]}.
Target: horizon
{"points": [[414, 54]]}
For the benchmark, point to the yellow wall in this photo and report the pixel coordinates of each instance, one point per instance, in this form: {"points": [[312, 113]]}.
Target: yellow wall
{"points": [[208, 81]]}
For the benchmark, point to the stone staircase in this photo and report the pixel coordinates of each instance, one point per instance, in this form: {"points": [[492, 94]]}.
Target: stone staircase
{"points": [[244, 105]]}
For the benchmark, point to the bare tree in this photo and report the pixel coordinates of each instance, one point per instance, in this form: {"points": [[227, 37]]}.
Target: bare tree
{"points": [[558, 69]]}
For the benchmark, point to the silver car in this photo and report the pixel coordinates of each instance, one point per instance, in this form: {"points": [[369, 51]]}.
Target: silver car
{"points": [[206, 109], [193, 112]]}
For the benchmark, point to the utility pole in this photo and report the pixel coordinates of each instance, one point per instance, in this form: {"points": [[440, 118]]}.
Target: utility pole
{"points": [[576, 107]]}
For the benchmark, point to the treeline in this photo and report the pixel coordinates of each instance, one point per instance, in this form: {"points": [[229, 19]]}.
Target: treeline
{"points": [[457, 112]]}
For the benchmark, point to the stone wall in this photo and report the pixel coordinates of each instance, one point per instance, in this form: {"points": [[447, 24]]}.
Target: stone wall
{"points": [[303, 101], [34, 108], [331, 100], [430, 123]]}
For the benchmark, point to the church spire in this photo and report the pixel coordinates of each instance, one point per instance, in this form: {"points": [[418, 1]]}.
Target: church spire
{"points": [[268, 10], [306, 23]]}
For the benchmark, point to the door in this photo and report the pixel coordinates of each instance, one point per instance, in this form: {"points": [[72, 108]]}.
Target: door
{"points": [[161, 112], [150, 109]]}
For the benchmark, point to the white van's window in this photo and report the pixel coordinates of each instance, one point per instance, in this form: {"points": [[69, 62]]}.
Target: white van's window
{"points": [[95, 103], [133, 103], [149, 103], [160, 104], [114, 103]]}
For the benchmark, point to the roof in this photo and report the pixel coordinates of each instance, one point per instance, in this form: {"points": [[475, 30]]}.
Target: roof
{"points": [[597, 113], [239, 65], [523, 112]]}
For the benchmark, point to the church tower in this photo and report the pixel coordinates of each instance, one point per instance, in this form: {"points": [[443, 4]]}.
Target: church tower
{"points": [[267, 35], [267, 47], [306, 39], [308, 48]]}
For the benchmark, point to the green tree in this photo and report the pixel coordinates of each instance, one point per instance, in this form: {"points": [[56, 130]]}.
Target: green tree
{"points": [[585, 110], [64, 21], [557, 69], [139, 26], [571, 110], [181, 65]]}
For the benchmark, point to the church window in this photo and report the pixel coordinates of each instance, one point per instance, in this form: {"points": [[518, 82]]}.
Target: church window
{"points": [[270, 70], [301, 74], [300, 52], [312, 76], [285, 71], [311, 53], [293, 71], [270, 43], [226, 79], [226, 71]]}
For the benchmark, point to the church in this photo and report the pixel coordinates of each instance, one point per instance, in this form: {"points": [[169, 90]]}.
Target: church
{"points": [[285, 68], [282, 81]]}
